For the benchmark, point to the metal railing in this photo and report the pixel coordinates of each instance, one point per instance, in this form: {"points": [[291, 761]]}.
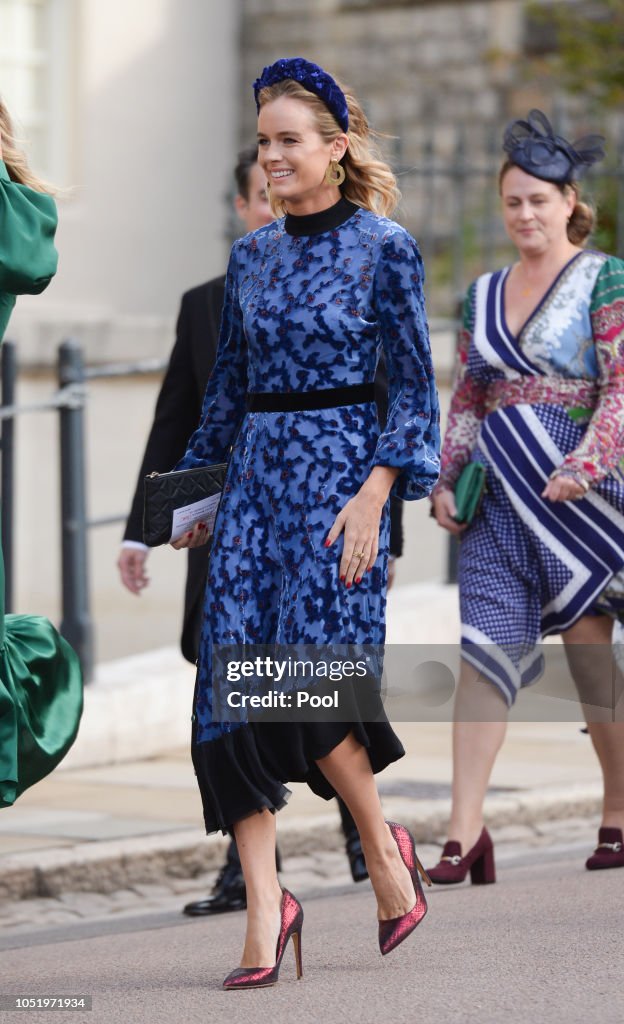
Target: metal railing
{"points": [[449, 180], [69, 402]]}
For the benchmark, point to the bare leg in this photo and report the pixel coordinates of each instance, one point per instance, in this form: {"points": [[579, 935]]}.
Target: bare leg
{"points": [[589, 653], [475, 746], [608, 740], [592, 671], [255, 838], [347, 767]]}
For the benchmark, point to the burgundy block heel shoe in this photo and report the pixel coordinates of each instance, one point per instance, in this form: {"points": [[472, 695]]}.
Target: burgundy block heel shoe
{"points": [[262, 977], [610, 850], [453, 868], [392, 932]]}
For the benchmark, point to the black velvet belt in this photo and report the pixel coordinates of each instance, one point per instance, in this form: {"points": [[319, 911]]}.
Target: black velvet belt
{"points": [[300, 401]]}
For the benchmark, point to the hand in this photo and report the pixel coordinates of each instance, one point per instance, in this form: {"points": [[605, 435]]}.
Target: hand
{"points": [[563, 488], [360, 519], [445, 509], [192, 538], [131, 565]]}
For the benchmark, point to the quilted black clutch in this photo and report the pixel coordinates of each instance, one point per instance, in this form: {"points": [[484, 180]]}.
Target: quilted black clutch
{"points": [[174, 502]]}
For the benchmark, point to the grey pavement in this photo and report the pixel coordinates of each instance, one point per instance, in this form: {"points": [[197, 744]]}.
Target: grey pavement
{"points": [[91, 842], [542, 945]]}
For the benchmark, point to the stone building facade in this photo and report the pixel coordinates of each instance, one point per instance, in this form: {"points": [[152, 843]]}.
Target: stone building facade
{"points": [[441, 78], [413, 61]]}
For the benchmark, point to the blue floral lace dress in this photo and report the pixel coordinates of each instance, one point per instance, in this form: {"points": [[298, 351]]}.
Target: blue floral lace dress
{"points": [[309, 302]]}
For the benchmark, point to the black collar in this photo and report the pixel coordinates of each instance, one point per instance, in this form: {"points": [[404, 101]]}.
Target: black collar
{"points": [[324, 220]]}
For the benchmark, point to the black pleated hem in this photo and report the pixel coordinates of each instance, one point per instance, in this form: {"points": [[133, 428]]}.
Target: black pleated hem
{"points": [[245, 771]]}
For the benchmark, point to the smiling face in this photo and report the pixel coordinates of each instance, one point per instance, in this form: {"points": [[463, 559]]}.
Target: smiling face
{"points": [[535, 212], [294, 156]]}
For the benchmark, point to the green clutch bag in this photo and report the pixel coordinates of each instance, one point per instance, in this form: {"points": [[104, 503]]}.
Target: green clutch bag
{"points": [[469, 491]]}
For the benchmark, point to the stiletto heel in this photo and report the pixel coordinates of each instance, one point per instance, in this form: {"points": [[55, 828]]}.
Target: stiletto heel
{"points": [[291, 923], [393, 932], [297, 944], [483, 870], [479, 860], [423, 874]]}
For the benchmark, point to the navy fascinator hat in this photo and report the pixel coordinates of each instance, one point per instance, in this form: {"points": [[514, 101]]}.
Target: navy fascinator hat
{"points": [[533, 146], [311, 77]]}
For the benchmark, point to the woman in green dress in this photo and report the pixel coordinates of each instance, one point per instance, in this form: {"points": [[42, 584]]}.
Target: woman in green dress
{"points": [[40, 679]]}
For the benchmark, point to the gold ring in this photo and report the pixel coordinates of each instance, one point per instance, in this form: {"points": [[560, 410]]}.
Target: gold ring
{"points": [[358, 554]]}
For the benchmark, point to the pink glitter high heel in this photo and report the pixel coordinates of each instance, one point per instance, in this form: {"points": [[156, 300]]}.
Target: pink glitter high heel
{"points": [[262, 977], [392, 932]]}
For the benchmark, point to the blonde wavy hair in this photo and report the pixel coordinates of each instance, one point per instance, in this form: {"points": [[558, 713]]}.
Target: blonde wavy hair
{"points": [[369, 182], [15, 158]]}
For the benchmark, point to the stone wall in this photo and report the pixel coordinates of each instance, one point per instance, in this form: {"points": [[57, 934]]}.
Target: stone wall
{"points": [[412, 63], [442, 79]]}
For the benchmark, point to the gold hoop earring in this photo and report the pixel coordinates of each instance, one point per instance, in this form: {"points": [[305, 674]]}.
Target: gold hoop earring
{"points": [[268, 186], [335, 173]]}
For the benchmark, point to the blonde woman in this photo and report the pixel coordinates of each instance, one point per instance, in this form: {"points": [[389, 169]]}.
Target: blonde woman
{"points": [[40, 680], [300, 549]]}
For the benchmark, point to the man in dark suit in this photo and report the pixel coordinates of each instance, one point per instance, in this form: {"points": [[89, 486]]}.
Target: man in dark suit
{"points": [[177, 414]]}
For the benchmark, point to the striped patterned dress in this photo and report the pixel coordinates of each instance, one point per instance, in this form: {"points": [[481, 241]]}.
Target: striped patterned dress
{"points": [[550, 397]]}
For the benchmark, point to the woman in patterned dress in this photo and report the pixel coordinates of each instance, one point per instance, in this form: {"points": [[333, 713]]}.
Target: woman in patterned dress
{"points": [[301, 538], [539, 401], [40, 678]]}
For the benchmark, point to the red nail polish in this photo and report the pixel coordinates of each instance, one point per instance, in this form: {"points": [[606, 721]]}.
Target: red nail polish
{"points": [[327, 543], [342, 579], [189, 535], [202, 526], [359, 579], [348, 585]]}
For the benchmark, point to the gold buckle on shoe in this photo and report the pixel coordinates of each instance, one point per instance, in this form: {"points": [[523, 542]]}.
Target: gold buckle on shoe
{"points": [[453, 860]]}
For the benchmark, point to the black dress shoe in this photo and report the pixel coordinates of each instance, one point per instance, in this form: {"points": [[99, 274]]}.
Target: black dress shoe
{"points": [[228, 894], [353, 844], [356, 857]]}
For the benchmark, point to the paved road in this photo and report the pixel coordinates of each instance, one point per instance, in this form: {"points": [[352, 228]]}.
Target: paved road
{"points": [[542, 946]]}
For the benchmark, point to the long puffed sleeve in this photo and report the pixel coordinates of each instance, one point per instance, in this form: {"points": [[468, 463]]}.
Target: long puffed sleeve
{"points": [[224, 402], [602, 446], [28, 222], [410, 440]]}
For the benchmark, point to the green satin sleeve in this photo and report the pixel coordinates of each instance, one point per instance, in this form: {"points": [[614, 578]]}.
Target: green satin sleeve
{"points": [[28, 219], [40, 699], [40, 676], [40, 702]]}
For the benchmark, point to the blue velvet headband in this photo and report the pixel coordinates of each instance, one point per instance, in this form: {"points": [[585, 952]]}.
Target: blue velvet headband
{"points": [[533, 146], [312, 78]]}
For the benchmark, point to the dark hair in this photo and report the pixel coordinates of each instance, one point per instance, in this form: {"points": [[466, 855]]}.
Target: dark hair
{"points": [[582, 219], [245, 161]]}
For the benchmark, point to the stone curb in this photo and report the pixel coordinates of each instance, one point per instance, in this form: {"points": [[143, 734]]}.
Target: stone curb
{"points": [[120, 864]]}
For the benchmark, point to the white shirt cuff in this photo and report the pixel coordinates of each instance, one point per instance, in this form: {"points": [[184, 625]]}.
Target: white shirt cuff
{"points": [[134, 544]]}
